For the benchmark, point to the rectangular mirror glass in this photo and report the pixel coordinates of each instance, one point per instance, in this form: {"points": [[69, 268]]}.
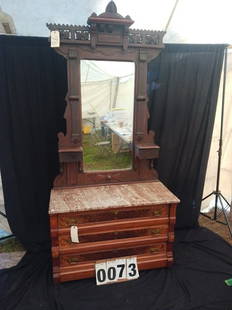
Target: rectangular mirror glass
{"points": [[107, 96]]}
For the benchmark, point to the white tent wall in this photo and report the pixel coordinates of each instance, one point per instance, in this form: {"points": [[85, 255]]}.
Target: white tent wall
{"points": [[92, 71], [97, 91], [101, 97], [105, 89], [226, 163], [97, 97], [126, 85]]}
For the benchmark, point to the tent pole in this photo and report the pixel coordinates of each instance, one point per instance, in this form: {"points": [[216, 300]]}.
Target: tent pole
{"points": [[171, 15]]}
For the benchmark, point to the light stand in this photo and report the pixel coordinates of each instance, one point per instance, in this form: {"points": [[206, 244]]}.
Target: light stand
{"points": [[218, 195]]}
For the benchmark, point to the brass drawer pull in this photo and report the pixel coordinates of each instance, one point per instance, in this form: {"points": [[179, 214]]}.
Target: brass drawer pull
{"points": [[154, 250], [156, 231], [70, 221], [72, 260], [115, 212], [157, 212]]}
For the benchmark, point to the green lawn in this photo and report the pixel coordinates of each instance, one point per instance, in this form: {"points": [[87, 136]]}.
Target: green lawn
{"points": [[102, 157], [10, 245]]}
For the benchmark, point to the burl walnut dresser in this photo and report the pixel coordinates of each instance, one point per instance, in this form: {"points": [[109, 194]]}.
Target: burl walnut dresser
{"points": [[107, 203]]}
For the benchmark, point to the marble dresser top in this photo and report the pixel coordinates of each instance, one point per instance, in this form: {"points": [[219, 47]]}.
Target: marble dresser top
{"points": [[109, 196]]}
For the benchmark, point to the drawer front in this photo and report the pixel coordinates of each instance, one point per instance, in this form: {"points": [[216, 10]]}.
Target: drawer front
{"points": [[72, 259], [69, 219], [65, 240], [84, 270]]}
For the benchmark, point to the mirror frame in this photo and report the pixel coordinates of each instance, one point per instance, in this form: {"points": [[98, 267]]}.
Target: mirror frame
{"points": [[107, 37]]}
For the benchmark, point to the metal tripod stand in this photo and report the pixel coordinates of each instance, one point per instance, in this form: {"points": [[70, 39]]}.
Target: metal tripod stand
{"points": [[219, 198]]}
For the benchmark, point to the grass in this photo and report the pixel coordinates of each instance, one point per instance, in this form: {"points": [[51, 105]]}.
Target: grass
{"points": [[10, 245], [102, 157]]}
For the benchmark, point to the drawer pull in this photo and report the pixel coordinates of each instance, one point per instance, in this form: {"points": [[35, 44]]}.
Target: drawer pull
{"points": [[157, 212], [72, 260], [115, 212], [154, 250], [70, 221], [155, 231]]}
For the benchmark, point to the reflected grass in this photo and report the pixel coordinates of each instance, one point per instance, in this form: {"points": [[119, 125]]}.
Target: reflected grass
{"points": [[101, 157]]}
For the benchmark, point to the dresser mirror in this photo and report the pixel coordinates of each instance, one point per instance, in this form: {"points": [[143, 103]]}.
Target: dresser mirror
{"points": [[107, 98]]}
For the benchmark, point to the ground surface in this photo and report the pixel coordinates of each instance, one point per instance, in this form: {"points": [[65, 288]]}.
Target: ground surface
{"points": [[218, 228]]}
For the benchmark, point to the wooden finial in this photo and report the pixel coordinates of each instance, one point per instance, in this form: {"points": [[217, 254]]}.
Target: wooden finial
{"points": [[111, 7]]}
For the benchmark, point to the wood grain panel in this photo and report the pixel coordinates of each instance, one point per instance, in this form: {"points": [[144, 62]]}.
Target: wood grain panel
{"points": [[102, 246], [87, 269], [75, 218], [114, 225], [75, 258], [65, 239]]}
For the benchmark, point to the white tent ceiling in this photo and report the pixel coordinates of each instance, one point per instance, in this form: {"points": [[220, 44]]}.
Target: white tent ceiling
{"points": [[194, 21]]}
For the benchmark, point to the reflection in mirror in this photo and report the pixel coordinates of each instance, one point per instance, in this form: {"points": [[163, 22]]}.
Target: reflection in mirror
{"points": [[107, 95]]}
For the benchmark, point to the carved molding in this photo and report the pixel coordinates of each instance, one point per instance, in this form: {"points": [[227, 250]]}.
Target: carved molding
{"points": [[109, 24], [84, 33], [146, 37], [71, 32]]}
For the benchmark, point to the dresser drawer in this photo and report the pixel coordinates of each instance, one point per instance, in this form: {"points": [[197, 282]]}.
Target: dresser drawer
{"points": [[111, 245], [69, 219], [87, 269], [65, 239], [75, 258]]}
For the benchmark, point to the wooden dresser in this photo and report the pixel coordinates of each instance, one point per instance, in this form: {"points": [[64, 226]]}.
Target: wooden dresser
{"points": [[107, 201], [113, 221]]}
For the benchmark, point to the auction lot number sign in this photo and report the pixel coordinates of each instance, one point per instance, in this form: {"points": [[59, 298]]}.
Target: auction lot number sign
{"points": [[116, 270]]}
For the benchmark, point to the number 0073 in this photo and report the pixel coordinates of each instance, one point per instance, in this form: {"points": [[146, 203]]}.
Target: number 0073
{"points": [[116, 270]]}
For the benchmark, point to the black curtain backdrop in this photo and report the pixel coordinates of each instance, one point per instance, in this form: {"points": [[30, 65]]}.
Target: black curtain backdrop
{"points": [[32, 90], [184, 83]]}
